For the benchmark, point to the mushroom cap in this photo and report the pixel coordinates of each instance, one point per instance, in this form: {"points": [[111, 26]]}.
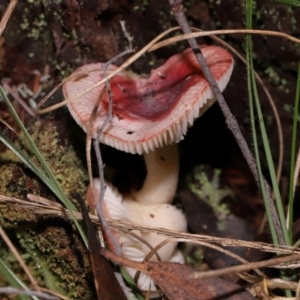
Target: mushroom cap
{"points": [[151, 112]]}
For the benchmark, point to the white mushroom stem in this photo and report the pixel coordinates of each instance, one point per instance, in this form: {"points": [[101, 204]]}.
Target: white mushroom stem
{"points": [[156, 216], [162, 176], [153, 215]]}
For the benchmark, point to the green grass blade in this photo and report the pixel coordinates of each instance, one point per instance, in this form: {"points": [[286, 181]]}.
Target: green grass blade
{"points": [[270, 162], [252, 84], [26, 161], [293, 156], [34, 148], [47, 176], [253, 88], [13, 280], [249, 6], [295, 3], [254, 138]]}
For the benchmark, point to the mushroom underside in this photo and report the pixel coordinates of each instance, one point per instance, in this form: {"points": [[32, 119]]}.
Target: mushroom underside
{"points": [[149, 112]]}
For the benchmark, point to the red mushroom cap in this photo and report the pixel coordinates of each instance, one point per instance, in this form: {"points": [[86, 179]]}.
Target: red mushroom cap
{"points": [[149, 112]]}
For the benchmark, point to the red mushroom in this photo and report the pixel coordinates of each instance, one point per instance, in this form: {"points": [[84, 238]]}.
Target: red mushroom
{"points": [[151, 113]]}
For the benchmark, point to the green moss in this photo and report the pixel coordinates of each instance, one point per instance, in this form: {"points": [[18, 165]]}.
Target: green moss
{"points": [[61, 158], [210, 192], [142, 6], [54, 258], [193, 255], [50, 246], [34, 25], [275, 78]]}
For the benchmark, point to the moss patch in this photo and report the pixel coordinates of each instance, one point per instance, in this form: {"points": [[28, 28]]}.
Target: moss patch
{"points": [[50, 246]]}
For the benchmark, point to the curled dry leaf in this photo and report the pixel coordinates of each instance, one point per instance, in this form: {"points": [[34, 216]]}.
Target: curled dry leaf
{"points": [[176, 282]]}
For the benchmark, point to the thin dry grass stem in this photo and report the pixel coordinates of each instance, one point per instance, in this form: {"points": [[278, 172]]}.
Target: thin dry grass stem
{"points": [[62, 297], [148, 294], [282, 249], [246, 267], [157, 247], [178, 237], [296, 171], [295, 179], [8, 126], [54, 210], [18, 257], [150, 254], [153, 45], [278, 283], [152, 249], [88, 144], [127, 63], [187, 36], [298, 291], [276, 115], [89, 137], [47, 97], [212, 246], [10, 8], [230, 120], [263, 291], [14, 93], [112, 241], [263, 296], [41, 200], [290, 265], [279, 127], [16, 291], [269, 97]]}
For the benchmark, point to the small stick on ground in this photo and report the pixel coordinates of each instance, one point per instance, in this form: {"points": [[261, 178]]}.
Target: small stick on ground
{"points": [[231, 121], [7, 14], [115, 245], [16, 254], [12, 290]]}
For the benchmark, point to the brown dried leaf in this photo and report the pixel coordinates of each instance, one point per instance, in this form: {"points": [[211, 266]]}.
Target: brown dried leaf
{"points": [[176, 281], [106, 284]]}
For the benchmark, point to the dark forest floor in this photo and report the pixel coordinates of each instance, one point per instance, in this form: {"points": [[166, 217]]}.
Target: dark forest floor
{"points": [[54, 38]]}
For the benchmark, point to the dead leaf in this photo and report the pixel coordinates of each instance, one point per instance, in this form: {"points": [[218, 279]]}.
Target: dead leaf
{"points": [[106, 283], [176, 282]]}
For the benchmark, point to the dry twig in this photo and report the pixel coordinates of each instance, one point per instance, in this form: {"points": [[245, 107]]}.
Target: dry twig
{"points": [[19, 259], [231, 121], [7, 14], [11, 290], [59, 210], [109, 235]]}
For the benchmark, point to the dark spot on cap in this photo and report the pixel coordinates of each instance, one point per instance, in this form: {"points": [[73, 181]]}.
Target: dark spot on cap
{"points": [[162, 158], [151, 215], [126, 91], [130, 132]]}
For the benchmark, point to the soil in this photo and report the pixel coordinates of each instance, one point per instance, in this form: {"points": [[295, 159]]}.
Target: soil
{"points": [[53, 38]]}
